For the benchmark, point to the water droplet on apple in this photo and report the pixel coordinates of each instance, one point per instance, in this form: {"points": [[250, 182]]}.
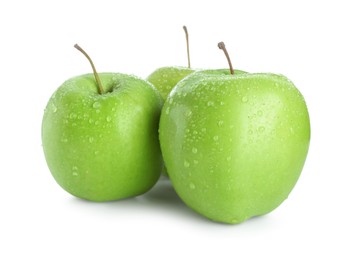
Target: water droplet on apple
{"points": [[64, 140], [189, 113], [192, 186], [194, 150], [195, 132], [250, 132], [261, 129], [167, 111], [91, 121], [96, 122], [222, 103], [228, 158], [96, 152], [195, 161], [204, 129], [171, 100], [73, 115], [260, 113], [210, 103], [186, 163], [96, 105], [220, 123], [244, 99], [108, 118], [74, 171], [91, 139], [187, 130], [216, 138], [234, 220], [54, 108]]}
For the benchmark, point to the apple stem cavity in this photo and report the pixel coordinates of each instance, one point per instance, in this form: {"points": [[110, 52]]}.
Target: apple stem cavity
{"points": [[187, 41], [221, 46], [96, 75]]}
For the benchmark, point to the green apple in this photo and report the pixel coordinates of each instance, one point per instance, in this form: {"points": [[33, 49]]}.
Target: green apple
{"points": [[166, 78], [234, 145], [101, 144]]}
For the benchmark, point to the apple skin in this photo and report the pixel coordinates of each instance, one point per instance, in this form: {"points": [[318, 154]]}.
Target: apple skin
{"points": [[103, 147], [165, 79], [234, 145]]}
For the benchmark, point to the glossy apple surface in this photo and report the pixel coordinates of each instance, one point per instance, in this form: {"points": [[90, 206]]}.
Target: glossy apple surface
{"points": [[234, 145], [165, 79], [103, 147]]}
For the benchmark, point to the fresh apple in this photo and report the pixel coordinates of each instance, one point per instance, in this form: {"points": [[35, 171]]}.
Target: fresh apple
{"points": [[101, 143], [234, 145], [166, 78]]}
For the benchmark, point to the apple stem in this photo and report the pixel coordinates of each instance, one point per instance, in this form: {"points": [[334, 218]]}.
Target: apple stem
{"points": [[187, 41], [221, 46], [97, 78]]}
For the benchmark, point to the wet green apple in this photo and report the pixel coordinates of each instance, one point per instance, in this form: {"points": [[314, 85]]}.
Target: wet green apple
{"points": [[101, 144], [166, 78], [234, 145]]}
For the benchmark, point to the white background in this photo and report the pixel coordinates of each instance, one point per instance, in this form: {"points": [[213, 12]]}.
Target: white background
{"points": [[308, 41]]}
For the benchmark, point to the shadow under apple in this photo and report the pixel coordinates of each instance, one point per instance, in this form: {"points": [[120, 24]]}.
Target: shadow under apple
{"points": [[161, 198]]}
